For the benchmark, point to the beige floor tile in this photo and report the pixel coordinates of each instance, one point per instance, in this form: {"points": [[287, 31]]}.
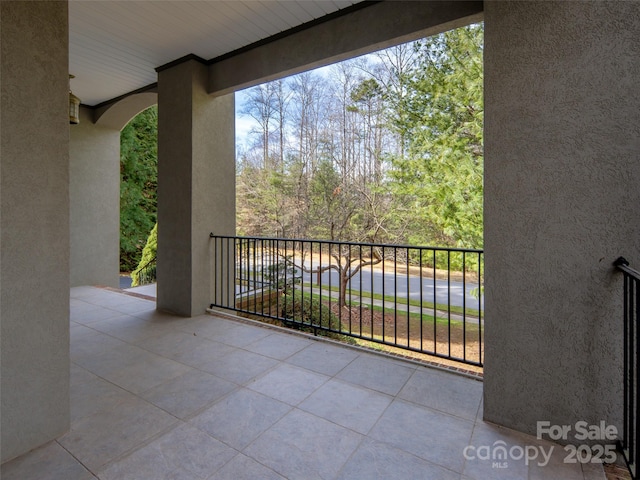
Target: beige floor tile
{"points": [[188, 393], [184, 452], [303, 446], [50, 462], [158, 397], [288, 384], [102, 437], [348, 405], [239, 418]]}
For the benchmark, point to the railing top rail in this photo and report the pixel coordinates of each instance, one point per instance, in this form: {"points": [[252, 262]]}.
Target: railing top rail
{"points": [[145, 265], [353, 244], [622, 264]]}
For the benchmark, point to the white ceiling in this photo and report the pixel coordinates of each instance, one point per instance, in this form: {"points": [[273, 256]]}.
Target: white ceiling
{"points": [[115, 45]]}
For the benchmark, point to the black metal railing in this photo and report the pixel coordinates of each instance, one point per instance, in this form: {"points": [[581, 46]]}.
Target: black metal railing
{"points": [[145, 274], [423, 299], [628, 444]]}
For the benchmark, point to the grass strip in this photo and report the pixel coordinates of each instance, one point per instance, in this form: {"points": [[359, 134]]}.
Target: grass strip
{"points": [[400, 300]]}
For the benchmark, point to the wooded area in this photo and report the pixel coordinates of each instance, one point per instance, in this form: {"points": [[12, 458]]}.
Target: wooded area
{"points": [[382, 148], [385, 148]]}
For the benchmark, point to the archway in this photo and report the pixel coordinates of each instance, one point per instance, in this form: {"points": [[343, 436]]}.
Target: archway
{"points": [[94, 189]]}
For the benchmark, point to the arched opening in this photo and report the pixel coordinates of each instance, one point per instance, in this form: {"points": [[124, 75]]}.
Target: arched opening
{"points": [[138, 198], [119, 113], [94, 189]]}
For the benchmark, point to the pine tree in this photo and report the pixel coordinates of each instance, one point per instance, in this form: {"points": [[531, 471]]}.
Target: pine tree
{"points": [[441, 173]]}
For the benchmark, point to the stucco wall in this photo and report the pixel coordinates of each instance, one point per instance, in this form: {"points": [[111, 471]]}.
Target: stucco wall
{"points": [[196, 184], [94, 171], [562, 136], [34, 225]]}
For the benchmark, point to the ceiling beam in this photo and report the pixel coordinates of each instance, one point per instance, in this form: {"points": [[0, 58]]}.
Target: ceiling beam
{"points": [[365, 30]]}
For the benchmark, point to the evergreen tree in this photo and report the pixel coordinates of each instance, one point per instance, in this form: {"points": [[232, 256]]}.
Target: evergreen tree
{"points": [[441, 174], [138, 185]]}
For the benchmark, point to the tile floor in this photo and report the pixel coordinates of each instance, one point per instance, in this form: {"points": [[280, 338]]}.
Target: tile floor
{"points": [[158, 397]]}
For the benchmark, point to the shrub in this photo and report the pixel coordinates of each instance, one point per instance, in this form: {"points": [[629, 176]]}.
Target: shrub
{"points": [[145, 272], [308, 311]]}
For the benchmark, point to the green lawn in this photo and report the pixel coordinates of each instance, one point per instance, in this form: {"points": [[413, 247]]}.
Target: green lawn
{"points": [[415, 317], [402, 301]]}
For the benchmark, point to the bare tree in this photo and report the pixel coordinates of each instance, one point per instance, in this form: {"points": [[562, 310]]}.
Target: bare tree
{"points": [[262, 108], [281, 96], [328, 136], [346, 260]]}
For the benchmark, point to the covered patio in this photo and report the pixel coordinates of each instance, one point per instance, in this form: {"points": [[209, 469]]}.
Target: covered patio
{"points": [[185, 395], [154, 396]]}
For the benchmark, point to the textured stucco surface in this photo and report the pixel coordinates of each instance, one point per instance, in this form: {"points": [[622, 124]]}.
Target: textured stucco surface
{"points": [[34, 226], [364, 31], [94, 191], [196, 184], [117, 114], [562, 136]]}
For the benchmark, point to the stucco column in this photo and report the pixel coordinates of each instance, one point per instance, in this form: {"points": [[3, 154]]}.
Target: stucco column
{"points": [[94, 172], [561, 204], [196, 184], [34, 225]]}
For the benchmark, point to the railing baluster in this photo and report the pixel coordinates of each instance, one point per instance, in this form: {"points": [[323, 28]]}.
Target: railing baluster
{"points": [[330, 284], [628, 444], [384, 277], [395, 295], [480, 290], [632, 374], [408, 266], [449, 301], [464, 305], [421, 301], [274, 254], [218, 279], [625, 439], [289, 297], [239, 260], [634, 424], [253, 272], [320, 281], [348, 285], [371, 290], [224, 254], [360, 289], [435, 303], [339, 288]]}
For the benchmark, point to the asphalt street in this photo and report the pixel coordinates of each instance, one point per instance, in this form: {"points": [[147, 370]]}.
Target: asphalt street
{"points": [[403, 286]]}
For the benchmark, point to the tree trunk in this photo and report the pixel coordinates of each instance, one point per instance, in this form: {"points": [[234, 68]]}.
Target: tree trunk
{"points": [[344, 280]]}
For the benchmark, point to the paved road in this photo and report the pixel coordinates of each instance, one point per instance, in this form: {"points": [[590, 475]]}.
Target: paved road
{"points": [[387, 283], [125, 281], [399, 307]]}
